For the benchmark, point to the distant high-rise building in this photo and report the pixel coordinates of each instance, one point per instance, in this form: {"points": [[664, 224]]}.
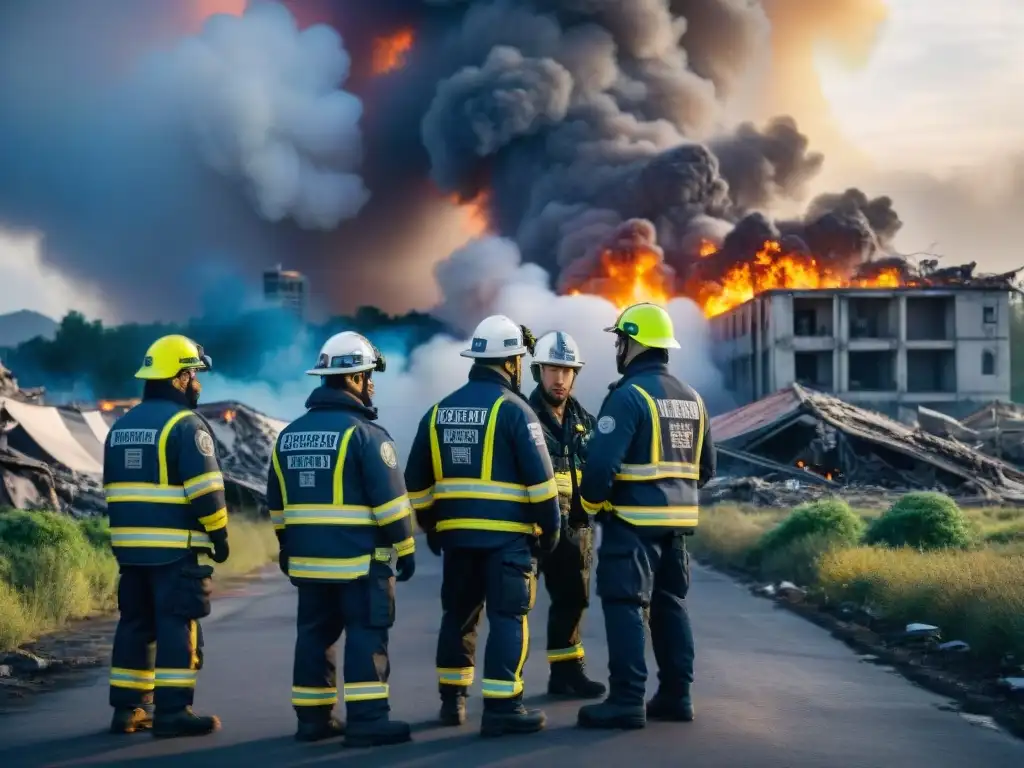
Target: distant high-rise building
{"points": [[286, 288]]}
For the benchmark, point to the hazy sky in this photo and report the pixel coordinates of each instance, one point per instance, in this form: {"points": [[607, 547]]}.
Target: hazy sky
{"points": [[944, 89]]}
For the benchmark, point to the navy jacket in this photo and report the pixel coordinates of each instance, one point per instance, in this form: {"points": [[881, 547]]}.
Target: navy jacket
{"points": [[478, 473], [335, 492], [164, 487], [651, 451], [567, 442]]}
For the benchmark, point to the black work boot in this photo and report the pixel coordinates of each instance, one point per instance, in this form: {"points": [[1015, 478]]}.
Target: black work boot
{"points": [[609, 715], [518, 720], [569, 680], [183, 722], [376, 733], [128, 720], [674, 708], [453, 710], [319, 729]]}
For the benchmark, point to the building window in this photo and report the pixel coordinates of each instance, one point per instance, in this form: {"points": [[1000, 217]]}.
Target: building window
{"points": [[988, 363], [989, 315]]}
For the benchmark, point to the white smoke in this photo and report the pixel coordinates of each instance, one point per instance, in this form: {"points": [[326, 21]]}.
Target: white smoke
{"points": [[412, 385], [264, 102]]}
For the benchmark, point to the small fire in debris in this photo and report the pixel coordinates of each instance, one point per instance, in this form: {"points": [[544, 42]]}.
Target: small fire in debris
{"points": [[389, 52], [229, 415], [828, 475], [109, 406], [629, 278]]}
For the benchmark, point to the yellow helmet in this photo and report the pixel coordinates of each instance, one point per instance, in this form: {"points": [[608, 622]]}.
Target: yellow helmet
{"points": [[647, 324], [169, 355]]}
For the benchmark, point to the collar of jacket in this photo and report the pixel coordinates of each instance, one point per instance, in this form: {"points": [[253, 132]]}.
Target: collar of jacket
{"points": [[651, 361], [164, 390], [543, 411], [482, 373], [329, 399]]}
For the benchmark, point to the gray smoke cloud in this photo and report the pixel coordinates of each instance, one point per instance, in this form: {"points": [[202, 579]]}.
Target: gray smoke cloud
{"points": [[265, 105]]}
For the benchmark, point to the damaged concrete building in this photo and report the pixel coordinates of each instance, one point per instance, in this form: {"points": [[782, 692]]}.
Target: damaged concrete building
{"points": [[889, 350]]}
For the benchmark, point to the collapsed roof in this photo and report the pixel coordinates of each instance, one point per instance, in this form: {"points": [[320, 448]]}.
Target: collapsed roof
{"points": [[46, 450], [821, 439]]}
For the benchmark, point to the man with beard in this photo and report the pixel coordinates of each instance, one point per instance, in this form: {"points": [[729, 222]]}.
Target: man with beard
{"points": [[481, 483], [650, 455], [338, 503], [165, 498], [567, 429]]}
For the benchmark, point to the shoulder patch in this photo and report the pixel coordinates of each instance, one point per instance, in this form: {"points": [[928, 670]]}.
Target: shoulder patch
{"points": [[606, 425], [204, 442], [388, 455], [537, 433]]}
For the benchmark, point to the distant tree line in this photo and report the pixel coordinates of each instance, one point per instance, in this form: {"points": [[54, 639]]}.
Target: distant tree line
{"points": [[87, 357]]}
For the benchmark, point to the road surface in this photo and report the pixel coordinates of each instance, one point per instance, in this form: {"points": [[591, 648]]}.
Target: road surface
{"points": [[773, 691]]}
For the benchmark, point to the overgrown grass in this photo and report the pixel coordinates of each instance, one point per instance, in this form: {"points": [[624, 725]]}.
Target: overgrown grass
{"points": [[54, 569], [971, 586]]}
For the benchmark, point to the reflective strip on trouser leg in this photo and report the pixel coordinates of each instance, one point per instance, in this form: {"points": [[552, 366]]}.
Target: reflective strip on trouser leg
{"points": [[508, 646], [131, 662], [461, 677], [177, 662], [566, 654], [314, 697], [365, 691], [367, 667], [133, 679]]}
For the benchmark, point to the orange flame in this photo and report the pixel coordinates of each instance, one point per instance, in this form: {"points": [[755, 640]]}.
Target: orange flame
{"points": [[771, 269], [629, 278], [229, 415], [389, 52], [108, 406], [475, 221]]}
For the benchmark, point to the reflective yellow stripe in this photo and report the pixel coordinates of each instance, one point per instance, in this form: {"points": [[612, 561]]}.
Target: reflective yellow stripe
{"points": [[331, 568], [327, 514], [135, 679], [365, 691], [655, 425], [203, 484], [475, 488], [161, 449], [164, 538], [700, 434], [339, 470], [455, 676], [591, 508], [152, 493], [678, 517], [422, 499], [566, 654], [501, 689], [313, 697], [280, 476], [564, 481], [277, 518], [216, 521], [659, 471], [483, 524], [406, 547], [435, 449], [542, 491], [487, 464], [176, 678], [394, 510]]}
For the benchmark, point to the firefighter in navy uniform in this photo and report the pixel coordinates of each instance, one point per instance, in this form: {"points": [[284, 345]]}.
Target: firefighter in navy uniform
{"points": [[567, 430], [650, 454], [165, 498], [339, 507], [481, 483]]}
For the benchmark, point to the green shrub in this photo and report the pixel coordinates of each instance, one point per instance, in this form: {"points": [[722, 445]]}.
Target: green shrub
{"points": [[828, 518], [923, 520], [24, 536]]}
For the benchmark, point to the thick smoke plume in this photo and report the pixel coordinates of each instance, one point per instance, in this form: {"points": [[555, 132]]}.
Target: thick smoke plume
{"points": [[264, 102]]}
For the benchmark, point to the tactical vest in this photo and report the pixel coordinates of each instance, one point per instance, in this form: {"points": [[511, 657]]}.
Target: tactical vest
{"points": [[151, 519]]}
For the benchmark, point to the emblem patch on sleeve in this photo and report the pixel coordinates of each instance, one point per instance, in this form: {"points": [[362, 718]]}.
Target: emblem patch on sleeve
{"points": [[388, 455], [204, 442], [537, 433], [606, 425]]}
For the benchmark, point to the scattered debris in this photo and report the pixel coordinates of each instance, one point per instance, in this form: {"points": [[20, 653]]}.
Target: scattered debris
{"points": [[822, 442]]}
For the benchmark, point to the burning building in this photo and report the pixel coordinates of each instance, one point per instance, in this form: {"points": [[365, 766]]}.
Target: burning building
{"points": [[890, 350]]}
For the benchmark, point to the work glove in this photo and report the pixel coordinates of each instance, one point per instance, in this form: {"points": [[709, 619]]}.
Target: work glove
{"points": [[282, 561], [434, 543], [405, 567], [220, 549]]}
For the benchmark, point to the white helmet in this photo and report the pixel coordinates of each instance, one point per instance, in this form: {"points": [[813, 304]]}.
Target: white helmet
{"points": [[496, 338], [347, 352], [557, 348]]}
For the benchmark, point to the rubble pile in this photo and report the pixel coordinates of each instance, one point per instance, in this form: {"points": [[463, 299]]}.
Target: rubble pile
{"points": [[814, 440], [996, 429], [9, 389], [245, 439]]}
